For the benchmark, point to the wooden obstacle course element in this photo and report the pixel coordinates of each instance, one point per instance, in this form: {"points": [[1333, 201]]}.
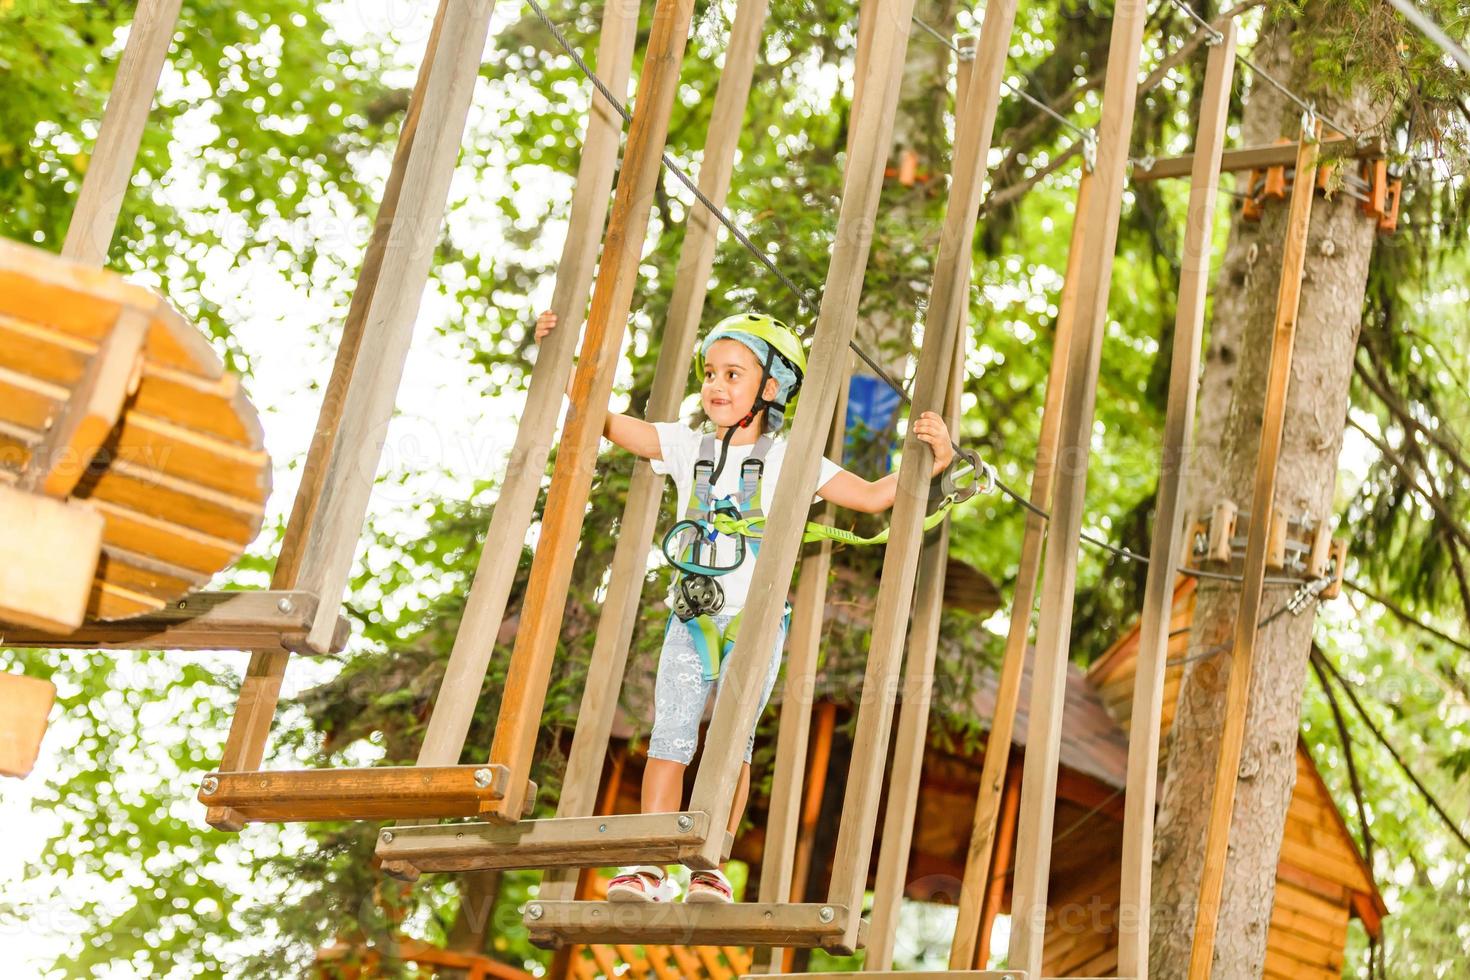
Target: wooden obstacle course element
{"points": [[1238, 690], [1038, 790], [474, 642], [48, 559], [25, 703], [112, 398], [946, 310], [623, 604], [546, 593], [95, 406], [873, 117], [994, 777], [1259, 158], [1169, 521], [245, 620], [912, 735], [326, 518], [792, 925], [565, 842], [110, 168], [378, 793]]}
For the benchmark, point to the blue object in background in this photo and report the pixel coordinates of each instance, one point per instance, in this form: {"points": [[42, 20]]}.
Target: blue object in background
{"points": [[872, 407]]}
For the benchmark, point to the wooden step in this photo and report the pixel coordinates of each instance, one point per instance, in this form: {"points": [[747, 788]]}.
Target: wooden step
{"points": [[377, 793], [790, 925], [257, 620], [567, 842]]}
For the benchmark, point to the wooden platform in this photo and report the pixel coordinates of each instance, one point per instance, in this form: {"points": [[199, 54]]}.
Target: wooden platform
{"points": [[804, 926], [379, 793], [570, 842], [261, 620], [181, 476]]}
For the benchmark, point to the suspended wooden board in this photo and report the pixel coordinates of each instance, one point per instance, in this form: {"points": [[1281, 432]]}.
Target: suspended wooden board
{"points": [[181, 479], [24, 704]]}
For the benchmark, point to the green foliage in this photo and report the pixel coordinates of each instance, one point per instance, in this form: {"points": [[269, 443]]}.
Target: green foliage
{"points": [[268, 121]]}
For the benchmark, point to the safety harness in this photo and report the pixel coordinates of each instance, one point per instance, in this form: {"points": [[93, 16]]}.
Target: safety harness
{"points": [[689, 545], [696, 595]]}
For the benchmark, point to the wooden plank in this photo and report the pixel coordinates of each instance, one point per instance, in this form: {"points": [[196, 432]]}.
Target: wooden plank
{"points": [[389, 319], [923, 641], [999, 871], [48, 557], [802, 926], [27, 704], [1330, 932], [110, 168], [200, 621], [194, 457], [381, 793], [572, 842], [735, 716], [93, 408], [621, 608], [1038, 790], [1149, 687], [912, 975], [417, 178], [1256, 157], [128, 530], [1280, 964], [1237, 693], [484, 611], [948, 306], [150, 494], [963, 953], [561, 525]]}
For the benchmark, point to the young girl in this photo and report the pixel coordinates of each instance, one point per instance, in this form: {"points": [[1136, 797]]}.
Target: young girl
{"points": [[752, 367]]}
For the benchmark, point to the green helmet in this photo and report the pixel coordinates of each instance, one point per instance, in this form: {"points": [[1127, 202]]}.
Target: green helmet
{"points": [[776, 348]]}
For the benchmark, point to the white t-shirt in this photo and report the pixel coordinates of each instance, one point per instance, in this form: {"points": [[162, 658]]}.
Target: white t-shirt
{"points": [[679, 445]]}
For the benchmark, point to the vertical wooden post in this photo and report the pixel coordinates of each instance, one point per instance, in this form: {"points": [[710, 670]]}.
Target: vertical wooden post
{"points": [[1168, 530], [923, 645], [1000, 867], [1059, 577], [671, 377], [109, 171], [714, 786], [551, 570], [474, 643], [414, 162], [803, 643], [900, 561], [1237, 693], [993, 777], [388, 323]]}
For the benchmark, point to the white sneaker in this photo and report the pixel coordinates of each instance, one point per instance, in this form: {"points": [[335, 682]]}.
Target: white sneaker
{"points": [[642, 884]]}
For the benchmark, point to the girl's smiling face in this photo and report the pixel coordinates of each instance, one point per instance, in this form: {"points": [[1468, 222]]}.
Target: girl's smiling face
{"points": [[732, 377]]}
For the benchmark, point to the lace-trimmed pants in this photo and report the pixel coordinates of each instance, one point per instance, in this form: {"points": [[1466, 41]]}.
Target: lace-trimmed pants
{"points": [[681, 692]]}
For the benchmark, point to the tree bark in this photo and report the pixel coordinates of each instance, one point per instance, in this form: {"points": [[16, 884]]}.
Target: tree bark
{"points": [[1340, 246]]}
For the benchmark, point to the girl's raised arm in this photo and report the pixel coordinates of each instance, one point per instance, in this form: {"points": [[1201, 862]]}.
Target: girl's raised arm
{"points": [[875, 496], [634, 435]]}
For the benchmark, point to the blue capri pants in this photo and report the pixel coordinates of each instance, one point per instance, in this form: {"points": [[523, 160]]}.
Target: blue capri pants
{"points": [[681, 692]]}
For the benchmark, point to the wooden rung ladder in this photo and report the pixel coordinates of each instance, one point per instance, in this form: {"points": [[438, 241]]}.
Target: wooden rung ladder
{"points": [[565, 842], [792, 925], [377, 793]]}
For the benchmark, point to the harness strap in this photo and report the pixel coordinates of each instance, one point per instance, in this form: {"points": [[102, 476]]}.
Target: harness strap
{"points": [[713, 644]]}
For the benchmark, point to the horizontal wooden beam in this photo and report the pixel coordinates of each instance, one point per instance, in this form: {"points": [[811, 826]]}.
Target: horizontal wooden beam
{"points": [[255, 620], [565, 842], [1259, 157], [805, 926], [378, 793]]}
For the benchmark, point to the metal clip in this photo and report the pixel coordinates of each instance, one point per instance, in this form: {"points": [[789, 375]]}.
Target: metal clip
{"points": [[967, 462], [1303, 596], [1089, 151]]}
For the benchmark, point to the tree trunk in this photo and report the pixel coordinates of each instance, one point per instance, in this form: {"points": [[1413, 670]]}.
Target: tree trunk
{"points": [[1340, 246]]}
